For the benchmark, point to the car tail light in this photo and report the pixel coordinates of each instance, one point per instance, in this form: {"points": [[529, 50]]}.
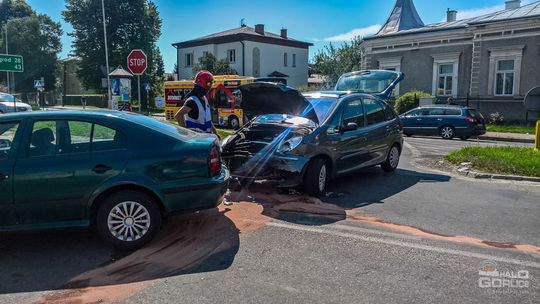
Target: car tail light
{"points": [[215, 161], [471, 120]]}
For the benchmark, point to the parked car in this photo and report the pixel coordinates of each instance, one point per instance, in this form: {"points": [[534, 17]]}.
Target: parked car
{"points": [[307, 140], [118, 171], [447, 121], [7, 105]]}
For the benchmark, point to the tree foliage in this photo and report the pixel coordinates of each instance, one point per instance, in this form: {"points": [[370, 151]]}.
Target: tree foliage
{"points": [[36, 38], [210, 63], [131, 24], [14, 9], [333, 61]]}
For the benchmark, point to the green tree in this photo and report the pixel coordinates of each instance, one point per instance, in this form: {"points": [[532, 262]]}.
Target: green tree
{"points": [[159, 66], [334, 61], [14, 9], [210, 63], [409, 101], [37, 39], [131, 24]]}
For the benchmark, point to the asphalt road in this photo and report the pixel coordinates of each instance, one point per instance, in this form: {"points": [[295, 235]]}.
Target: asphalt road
{"points": [[411, 236]]}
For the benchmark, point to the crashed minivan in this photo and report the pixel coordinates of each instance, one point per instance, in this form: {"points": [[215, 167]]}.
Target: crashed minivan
{"points": [[302, 141]]}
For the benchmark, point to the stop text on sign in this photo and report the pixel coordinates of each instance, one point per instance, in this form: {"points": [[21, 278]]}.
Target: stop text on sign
{"points": [[137, 62]]}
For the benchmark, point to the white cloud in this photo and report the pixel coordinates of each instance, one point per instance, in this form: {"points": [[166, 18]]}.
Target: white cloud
{"points": [[475, 12], [362, 32]]}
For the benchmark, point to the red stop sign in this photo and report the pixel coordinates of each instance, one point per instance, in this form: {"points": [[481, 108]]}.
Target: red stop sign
{"points": [[137, 62]]}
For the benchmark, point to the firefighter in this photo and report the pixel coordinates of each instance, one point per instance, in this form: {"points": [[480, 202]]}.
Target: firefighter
{"points": [[196, 113]]}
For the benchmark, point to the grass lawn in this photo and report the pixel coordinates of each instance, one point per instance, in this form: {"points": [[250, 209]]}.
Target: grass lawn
{"points": [[224, 132], [511, 129], [503, 160]]}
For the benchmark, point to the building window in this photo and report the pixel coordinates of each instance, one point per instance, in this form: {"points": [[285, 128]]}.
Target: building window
{"points": [[231, 56], [504, 77], [189, 60], [293, 60], [445, 74], [445, 79], [285, 59], [505, 70]]}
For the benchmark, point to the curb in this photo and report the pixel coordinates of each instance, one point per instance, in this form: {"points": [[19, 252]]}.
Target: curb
{"points": [[464, 170], [508, 139]]}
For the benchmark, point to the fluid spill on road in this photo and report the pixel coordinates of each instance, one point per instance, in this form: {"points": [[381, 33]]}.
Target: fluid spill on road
{"points": [[355, 214], [209, 240]]}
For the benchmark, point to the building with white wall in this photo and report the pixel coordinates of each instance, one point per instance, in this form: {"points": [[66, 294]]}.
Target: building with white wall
{"points": [[251, 52]]}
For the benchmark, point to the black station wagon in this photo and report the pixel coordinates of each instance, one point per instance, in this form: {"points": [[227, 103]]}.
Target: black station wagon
{"points": [[445, 121]]}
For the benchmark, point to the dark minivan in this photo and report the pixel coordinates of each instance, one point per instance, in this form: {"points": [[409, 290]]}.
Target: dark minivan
{"points": [[447, 121], [305, 140]]}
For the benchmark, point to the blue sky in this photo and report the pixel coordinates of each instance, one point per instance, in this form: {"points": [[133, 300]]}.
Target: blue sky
{"points": [[316, 21]]}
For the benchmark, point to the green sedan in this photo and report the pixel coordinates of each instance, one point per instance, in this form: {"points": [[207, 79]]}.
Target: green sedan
{"points": [[118, 171]]}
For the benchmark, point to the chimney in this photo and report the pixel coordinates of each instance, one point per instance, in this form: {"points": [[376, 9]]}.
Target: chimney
{"points": [[451, 15], [284, 33], [512, 4], [259, 28]]}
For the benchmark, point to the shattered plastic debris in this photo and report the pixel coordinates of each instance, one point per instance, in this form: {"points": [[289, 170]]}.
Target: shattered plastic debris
{"points": [[227, 198]]}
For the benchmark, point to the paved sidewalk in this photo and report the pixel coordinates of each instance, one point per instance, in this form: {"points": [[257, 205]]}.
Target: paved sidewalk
{"points": [[516, 137]]}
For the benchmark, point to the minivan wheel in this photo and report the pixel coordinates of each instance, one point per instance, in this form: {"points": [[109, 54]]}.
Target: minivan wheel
{"points": [[234, 123], [128, 219], [316, 177], [447, 132], [392, 159]]}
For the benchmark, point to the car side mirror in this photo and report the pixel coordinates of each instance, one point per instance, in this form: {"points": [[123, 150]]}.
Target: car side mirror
{"points": [[351, 126]]}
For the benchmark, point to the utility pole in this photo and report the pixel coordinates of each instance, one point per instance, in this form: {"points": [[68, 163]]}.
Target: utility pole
{"points": [[7, 52], [109, 95]]}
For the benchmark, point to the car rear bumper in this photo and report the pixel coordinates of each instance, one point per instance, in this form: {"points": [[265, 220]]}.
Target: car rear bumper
{"points": [[471, 131], [199, 196]]}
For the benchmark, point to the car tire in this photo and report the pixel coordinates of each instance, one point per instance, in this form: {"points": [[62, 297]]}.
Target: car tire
{"points": [[447, 132], [464, 137], [233, 122], [128, 219], [392, 159], [315, 177]]}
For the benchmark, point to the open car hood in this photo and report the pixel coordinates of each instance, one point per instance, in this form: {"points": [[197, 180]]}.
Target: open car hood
{"points": [[380, 83], [270, 98]]}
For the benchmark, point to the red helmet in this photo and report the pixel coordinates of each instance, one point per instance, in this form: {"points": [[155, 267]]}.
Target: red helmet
{"points": [[204, 79]]}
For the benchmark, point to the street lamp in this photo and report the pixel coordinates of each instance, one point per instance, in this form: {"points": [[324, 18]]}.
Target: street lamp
{"points": [[7, 53], [106, 54]]}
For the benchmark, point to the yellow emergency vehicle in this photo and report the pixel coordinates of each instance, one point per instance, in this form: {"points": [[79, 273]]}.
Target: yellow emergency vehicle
{"points": [[223, 99]]}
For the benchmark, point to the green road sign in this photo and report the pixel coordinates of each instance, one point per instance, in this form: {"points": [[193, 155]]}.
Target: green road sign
{"points": [[11, 63]]}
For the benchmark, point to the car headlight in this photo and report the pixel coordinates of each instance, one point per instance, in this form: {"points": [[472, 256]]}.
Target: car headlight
{"points": [[290, 144]]}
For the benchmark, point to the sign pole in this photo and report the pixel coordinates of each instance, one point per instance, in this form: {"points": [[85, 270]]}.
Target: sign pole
{"points": [[139, 91], [109, 94], [7, 52]]}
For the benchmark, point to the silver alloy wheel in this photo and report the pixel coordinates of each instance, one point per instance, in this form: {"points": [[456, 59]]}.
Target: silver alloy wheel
{"points": [[322, 178], [128, 221], [447, 132], [394, 157]]}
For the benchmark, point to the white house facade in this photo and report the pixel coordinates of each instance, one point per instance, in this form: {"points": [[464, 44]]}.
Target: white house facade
{"points": [[251, 52]]}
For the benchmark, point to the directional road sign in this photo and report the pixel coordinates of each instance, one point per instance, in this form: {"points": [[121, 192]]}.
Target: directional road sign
{"points": [[11, 63]]}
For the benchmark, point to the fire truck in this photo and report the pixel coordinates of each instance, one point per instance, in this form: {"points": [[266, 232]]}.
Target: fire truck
{"points": [[223, 98]]}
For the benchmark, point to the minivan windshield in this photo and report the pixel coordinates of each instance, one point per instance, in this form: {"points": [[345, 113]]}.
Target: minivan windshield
{"points": [[366, 81], [322, 106]]}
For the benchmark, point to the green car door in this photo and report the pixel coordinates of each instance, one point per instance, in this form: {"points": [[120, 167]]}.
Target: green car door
{"points": [[9, 138], [62, 163]]}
